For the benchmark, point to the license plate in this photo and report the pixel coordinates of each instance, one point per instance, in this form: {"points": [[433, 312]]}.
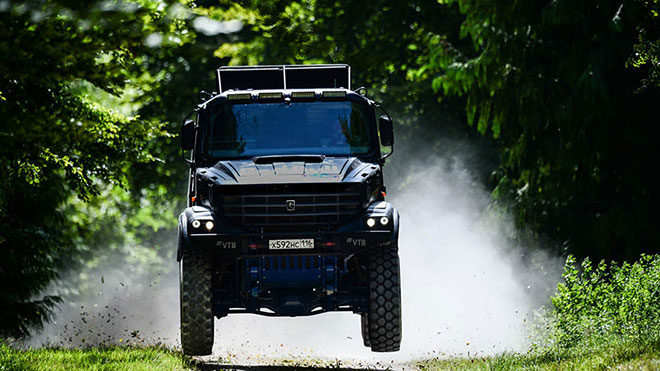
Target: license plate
{"points": [[303, 243]]}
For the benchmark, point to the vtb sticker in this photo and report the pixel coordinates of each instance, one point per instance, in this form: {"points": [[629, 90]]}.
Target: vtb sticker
{"points": [[356, 241], [226, 245]]}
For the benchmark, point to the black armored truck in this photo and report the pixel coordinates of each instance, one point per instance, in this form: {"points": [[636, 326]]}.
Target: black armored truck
{"points": [[286, 207]]}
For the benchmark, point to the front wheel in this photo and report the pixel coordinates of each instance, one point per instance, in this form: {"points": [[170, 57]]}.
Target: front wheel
{"points": [[364, 325], [195, 289], [384, 317]]}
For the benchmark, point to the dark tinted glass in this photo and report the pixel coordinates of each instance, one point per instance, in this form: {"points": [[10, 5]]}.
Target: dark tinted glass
{"points": [[257, 129]]}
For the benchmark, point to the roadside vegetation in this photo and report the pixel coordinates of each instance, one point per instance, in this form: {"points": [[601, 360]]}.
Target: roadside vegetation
{"points": [[602, 316]]}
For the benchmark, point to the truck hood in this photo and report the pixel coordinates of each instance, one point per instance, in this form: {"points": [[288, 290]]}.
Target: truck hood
{"points": [[329, 170]]}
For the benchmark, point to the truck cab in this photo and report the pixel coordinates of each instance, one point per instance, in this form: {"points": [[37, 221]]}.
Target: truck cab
{"points": [[286, 207]]}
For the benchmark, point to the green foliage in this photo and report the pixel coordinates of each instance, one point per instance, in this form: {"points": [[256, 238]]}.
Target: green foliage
{"points": [[66, 70], [608, 302], [570, 90], [49, 125]]}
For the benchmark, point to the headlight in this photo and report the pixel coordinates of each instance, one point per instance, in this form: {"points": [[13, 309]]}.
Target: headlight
{"points": [[371, 222], [209, 225], [196, 223], [384, 220]]}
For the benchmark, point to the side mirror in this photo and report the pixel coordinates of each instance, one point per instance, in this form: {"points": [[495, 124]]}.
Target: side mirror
{"points": [[386, 131], [188, 135]]}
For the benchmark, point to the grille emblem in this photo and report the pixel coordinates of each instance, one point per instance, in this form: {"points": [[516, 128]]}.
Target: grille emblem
{"points": [[290, 205]]}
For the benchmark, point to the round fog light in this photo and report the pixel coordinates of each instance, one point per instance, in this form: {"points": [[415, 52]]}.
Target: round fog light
{"points": [[209, 225], [384, 220], [196, 223], [371, 222]]}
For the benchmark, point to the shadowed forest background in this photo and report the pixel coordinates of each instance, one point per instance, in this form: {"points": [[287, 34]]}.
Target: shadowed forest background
{"points": [[560, 97]]}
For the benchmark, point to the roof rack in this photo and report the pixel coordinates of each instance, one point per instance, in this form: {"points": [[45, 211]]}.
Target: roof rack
{"points": [[311, 76]]}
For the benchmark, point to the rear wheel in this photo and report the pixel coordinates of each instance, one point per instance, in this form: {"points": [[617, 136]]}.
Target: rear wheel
{"points": [[384, 322], [195, 284]]}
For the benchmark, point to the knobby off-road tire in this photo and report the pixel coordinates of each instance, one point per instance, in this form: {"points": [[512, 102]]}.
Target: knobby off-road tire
{"points": [[384, 300], [195, 283]]}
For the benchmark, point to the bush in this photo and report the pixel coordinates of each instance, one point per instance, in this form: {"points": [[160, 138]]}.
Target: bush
{"points": [[608, 303], [33, 237]]}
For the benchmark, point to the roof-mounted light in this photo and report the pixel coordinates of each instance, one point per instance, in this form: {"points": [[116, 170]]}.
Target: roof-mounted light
{"points": [[273, 95], [303, 95], [239, 96], [334, 94]]}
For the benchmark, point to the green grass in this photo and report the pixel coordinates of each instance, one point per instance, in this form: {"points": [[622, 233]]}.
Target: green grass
{"points": [[628, 356], [620, 356], [110, 358]]}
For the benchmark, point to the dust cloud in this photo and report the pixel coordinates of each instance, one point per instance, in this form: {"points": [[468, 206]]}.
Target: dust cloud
{"points": [[468, 288], [120, 305]]}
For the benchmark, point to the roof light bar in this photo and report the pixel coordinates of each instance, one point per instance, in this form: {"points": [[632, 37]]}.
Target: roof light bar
{"points": [[334, 94], [309, 76], [276, 95], [240, 96]]}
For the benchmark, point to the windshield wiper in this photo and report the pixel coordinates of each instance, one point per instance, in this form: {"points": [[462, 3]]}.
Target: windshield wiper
{"points": [[287, 158]]}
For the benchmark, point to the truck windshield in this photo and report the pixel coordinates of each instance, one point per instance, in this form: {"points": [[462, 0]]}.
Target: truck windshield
{"points": [[257, 129]]}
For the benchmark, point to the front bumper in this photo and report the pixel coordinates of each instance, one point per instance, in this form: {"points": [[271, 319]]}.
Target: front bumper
{"points": [[352, 237]]}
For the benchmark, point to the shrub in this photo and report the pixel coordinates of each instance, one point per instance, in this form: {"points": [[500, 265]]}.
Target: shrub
{"points": [[608, 302]]}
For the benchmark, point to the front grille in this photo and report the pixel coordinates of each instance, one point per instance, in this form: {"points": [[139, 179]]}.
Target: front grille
{"points": [[316, 205]]}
